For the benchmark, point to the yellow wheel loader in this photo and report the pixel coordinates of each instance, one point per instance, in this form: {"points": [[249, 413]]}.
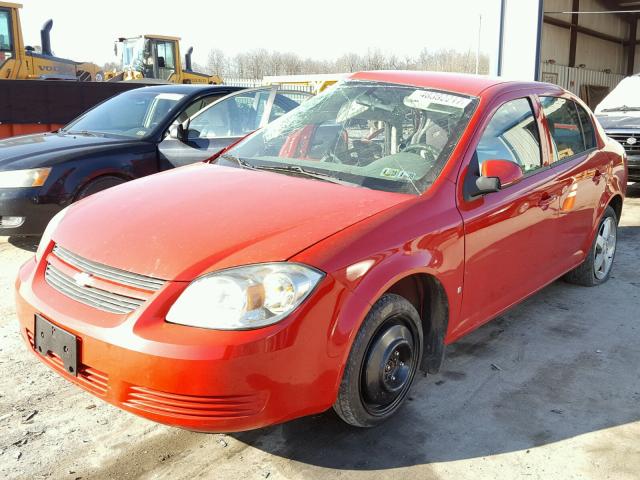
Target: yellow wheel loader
{"points": [[18, 62], [156, 58]]}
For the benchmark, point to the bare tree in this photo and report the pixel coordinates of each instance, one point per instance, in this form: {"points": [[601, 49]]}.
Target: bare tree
{"points": [[217, 62], [260, 62]]}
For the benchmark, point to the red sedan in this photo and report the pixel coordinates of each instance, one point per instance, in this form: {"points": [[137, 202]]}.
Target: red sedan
{"points": [[325, 259]]}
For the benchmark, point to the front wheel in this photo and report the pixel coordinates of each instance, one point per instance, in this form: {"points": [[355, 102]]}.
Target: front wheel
{"points": [[97, 185], [596, 268], [382, 363]]}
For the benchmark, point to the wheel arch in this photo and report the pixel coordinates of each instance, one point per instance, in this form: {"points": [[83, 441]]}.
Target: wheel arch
{"points": [[98, 176], [427, 294], [616, 203]]}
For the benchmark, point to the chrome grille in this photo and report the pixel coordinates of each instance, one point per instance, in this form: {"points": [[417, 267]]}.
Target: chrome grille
{"points": [[622, 139], [95, 297], [114, 274]]}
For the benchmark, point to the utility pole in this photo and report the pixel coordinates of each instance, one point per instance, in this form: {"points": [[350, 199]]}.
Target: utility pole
{"points": [[478, 48]]}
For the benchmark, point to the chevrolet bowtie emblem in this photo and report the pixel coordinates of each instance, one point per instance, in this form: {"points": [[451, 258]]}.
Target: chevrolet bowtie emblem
{"points": [[83, 279], [631, 141]]}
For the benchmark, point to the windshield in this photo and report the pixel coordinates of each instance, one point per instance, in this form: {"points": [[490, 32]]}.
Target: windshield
{"points": [[624, 98], [380, 136], [133, 54], [130, 114], [6, 44]]}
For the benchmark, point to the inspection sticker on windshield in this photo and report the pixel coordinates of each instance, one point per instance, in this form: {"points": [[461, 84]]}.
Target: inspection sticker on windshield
{"points": [[397, 173], [422, 99]]}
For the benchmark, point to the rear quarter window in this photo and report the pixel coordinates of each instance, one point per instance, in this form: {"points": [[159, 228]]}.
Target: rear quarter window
{"points": [[587, 128]]}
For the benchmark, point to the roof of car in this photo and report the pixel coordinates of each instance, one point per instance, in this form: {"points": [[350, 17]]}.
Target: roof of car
{"points": [[456, 82]]}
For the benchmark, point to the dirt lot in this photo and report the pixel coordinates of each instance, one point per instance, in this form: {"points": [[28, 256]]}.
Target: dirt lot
{"points": [[551, 390]]}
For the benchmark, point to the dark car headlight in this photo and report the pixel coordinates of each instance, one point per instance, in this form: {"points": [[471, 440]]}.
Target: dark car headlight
{"points": [[34, 177]]}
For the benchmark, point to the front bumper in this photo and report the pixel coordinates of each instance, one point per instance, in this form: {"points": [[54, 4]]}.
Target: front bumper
{"points": [[26, 202], [203, 380]]}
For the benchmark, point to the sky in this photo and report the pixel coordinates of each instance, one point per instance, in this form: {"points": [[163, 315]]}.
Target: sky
{"points": [[85, 30]]}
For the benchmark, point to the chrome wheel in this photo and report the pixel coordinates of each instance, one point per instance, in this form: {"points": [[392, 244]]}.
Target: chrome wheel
{"points": [[605, 248]]}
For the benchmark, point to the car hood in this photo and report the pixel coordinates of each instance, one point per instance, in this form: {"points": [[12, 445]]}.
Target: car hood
{"points": [[180, 224], [46, 149], [619, 121]]}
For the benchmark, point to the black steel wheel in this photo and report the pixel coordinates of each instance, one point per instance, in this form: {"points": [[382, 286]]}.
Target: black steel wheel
{"points": [[382, 363]]}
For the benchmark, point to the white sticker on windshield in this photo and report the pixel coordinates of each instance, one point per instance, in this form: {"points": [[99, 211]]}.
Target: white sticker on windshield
{"points": [[422, 99], [397, 173], [170, 96]]}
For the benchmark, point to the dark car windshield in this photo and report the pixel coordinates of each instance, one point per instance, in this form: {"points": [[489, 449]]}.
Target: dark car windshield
{"points": [[130, 114], [380, 136]]}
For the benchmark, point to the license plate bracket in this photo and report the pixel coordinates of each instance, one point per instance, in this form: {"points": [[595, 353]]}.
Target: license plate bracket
{"points": [[52, 339]]}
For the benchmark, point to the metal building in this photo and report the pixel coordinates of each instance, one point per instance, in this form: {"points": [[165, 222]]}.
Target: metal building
{"points": [[585, 46]]}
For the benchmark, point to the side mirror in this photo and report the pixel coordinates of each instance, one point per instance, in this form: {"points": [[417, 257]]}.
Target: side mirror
{"points": [[505, 171], [494, 175], [177, 132]]}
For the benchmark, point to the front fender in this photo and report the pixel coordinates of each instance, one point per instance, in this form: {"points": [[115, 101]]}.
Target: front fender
{"points": [[372, 256]]}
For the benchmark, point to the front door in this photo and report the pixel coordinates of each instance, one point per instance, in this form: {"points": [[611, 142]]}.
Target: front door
{"points": [[509, 234]]}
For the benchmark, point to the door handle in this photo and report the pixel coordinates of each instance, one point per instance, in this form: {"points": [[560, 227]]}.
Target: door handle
{"points": [[546, 200], [597, 175]]}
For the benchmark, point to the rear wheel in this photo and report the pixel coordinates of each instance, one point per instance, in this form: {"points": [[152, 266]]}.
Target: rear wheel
{"points": [[99, 184], [596, 268], [382, 363]]}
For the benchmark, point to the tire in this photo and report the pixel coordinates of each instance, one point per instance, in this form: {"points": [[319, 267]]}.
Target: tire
{"points": [[97, 185], [382, 363], [596, 268]]}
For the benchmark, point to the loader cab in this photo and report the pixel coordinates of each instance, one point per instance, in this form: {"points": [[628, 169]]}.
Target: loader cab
{"points": [[151, 57]]}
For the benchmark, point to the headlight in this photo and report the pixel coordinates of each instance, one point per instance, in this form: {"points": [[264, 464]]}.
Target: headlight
{"points": [[48, 232], [246, 297], [34, 177]]}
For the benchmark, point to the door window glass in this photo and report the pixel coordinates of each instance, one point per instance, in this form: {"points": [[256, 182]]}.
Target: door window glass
{"points": [[6, 44], [166, 60], [512, 134], [233, 117], [197, 105], [564, 126]]}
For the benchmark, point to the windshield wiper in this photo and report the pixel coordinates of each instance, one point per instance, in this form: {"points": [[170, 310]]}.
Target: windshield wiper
{"points": [[238, 160], [287, 169], [86, 133], [622, 108], [297, 170]]}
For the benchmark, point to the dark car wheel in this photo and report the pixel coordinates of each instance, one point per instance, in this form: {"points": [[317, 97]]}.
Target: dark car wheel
{"points": [[382, 363], [97, 185], [596, 268]]}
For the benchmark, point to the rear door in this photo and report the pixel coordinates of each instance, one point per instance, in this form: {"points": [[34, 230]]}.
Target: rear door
{"points": [[509, 234], [222, 123], [581, 170]]}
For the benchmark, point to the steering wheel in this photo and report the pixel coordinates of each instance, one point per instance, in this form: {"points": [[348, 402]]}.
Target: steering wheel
{"points": [[331, 158], [423, 147]]}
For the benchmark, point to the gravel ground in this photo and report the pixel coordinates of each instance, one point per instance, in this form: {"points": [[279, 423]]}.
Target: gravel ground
{"points": [[549, 390]]}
